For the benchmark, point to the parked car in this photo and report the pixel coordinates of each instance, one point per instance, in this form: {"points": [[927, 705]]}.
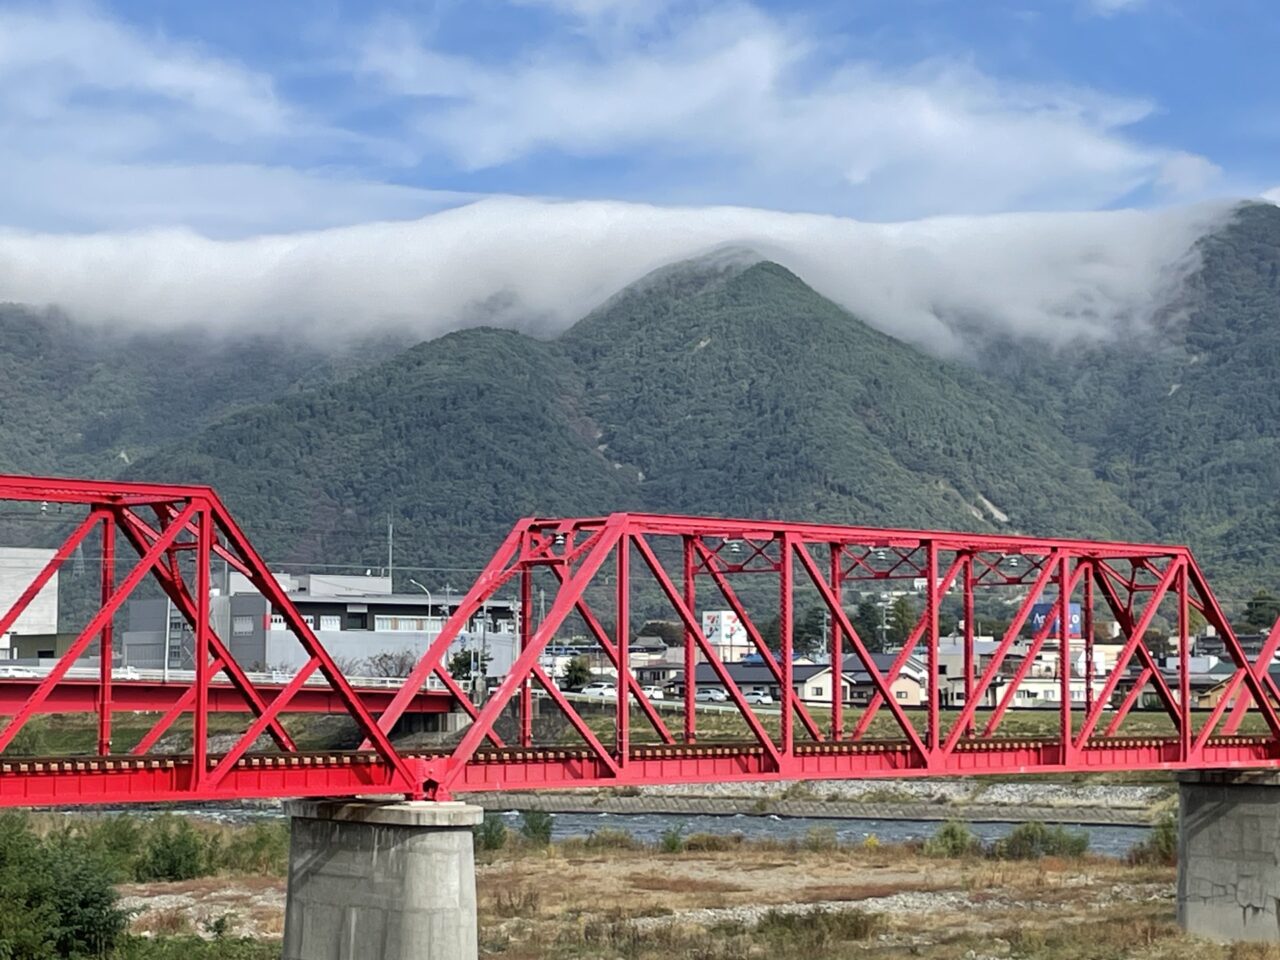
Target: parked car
{"points": [[711, 695], [653, 693], [598, 688], [757, 697]]}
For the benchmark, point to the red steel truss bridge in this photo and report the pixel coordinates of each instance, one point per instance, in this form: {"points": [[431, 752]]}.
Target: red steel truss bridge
{"points": [[583, 575]]}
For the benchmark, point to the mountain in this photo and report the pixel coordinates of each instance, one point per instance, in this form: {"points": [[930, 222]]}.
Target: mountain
{"points": [[455, 439], [716, 387], [1184, 420], [83, 400], [722, 385]]}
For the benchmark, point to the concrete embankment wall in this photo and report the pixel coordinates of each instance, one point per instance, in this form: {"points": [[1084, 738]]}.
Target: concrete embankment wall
{"points": [[879, 800]]}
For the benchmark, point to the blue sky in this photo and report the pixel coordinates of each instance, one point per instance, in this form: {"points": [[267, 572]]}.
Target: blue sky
{"points": [[241, 118]]}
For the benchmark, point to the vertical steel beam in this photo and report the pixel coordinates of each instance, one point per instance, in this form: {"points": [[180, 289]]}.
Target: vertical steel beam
{"points": [[835, 645], [1184, 662], [931, 631], [105, 651], [1086, 630], [690, 661], [200, 743], [1065, 586], [526, 632], [784, 643], [622, 689], [970, 635]]}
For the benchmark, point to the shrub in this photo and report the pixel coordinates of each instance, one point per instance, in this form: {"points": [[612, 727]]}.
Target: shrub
{"points": [[1033, 840], [115, 841], [953, 839], [56, 900], [712, 842], [173, 850], [672, 839], [262, 849], [87, 920], [1161, 847], [535, 826], [611, 840], [219, 927], [816, 929], [821, 839], [490, 833]]}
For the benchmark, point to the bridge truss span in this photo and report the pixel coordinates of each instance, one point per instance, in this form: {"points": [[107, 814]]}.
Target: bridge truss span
{"points": [[588, 577]]}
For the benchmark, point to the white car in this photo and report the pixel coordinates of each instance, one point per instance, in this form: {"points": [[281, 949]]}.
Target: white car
{"points": [[599, 689], [653, 693], [757, 697], [711, 695]]}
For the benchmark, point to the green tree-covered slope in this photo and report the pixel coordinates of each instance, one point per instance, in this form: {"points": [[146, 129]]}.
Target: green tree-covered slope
{"points": [[1184, 420], [703, 389], [84, 400]]}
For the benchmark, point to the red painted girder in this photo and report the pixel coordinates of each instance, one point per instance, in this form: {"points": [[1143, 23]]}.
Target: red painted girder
{"points": [[38, 782], [80, 696], [740, 529]]}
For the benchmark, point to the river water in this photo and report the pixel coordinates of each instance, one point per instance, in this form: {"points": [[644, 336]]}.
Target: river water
{"points": [[1113, 841], [1108, 840]]}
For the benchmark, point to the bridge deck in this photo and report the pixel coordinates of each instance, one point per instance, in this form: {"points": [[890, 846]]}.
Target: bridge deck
{"points": [[40, 781]]}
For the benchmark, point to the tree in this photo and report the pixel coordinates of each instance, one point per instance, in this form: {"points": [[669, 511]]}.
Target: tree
{"points": [[464, 660], [1262, 611], [808, 634], [671, 632], [901, 619], [771, 634], [394, 663], [577, 673], [866, 620]]}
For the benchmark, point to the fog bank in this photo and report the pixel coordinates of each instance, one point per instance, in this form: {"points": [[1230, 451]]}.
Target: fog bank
{"points": [[539, 265]]}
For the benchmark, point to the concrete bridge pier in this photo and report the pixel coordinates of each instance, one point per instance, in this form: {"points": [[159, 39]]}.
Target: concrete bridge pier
{"points": [[1229, 855], [381, 881]]}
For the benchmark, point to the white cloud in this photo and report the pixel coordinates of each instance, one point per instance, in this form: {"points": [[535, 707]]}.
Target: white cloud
{"points": [[107, 126], [757, 106], [221, 199], [539, 266], [50, 55], [1186, 174]]}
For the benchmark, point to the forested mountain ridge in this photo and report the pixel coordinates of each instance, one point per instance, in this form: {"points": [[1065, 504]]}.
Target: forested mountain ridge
{"points": [[1185, 423], [707, 389], [88, 400]]}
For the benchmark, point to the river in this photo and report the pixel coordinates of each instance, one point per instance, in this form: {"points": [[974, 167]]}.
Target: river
{"points": [[1109, 840], [1112, 841]]}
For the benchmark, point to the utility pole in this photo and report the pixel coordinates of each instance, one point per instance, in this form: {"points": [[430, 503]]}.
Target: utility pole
{"points": [[391, 553]]}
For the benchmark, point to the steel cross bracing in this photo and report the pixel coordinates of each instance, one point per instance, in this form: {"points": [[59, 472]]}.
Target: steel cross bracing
{"points": [[585, 574]]}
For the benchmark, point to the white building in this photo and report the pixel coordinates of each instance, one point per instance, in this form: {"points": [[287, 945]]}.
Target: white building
{"points": [[18, 567]]}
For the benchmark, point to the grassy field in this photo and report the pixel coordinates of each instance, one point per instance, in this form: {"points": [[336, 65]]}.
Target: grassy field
{"points": [[720, 898]]}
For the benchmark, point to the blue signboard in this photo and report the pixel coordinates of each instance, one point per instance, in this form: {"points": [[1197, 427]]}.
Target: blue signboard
{"points": [[1042, 610]]}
